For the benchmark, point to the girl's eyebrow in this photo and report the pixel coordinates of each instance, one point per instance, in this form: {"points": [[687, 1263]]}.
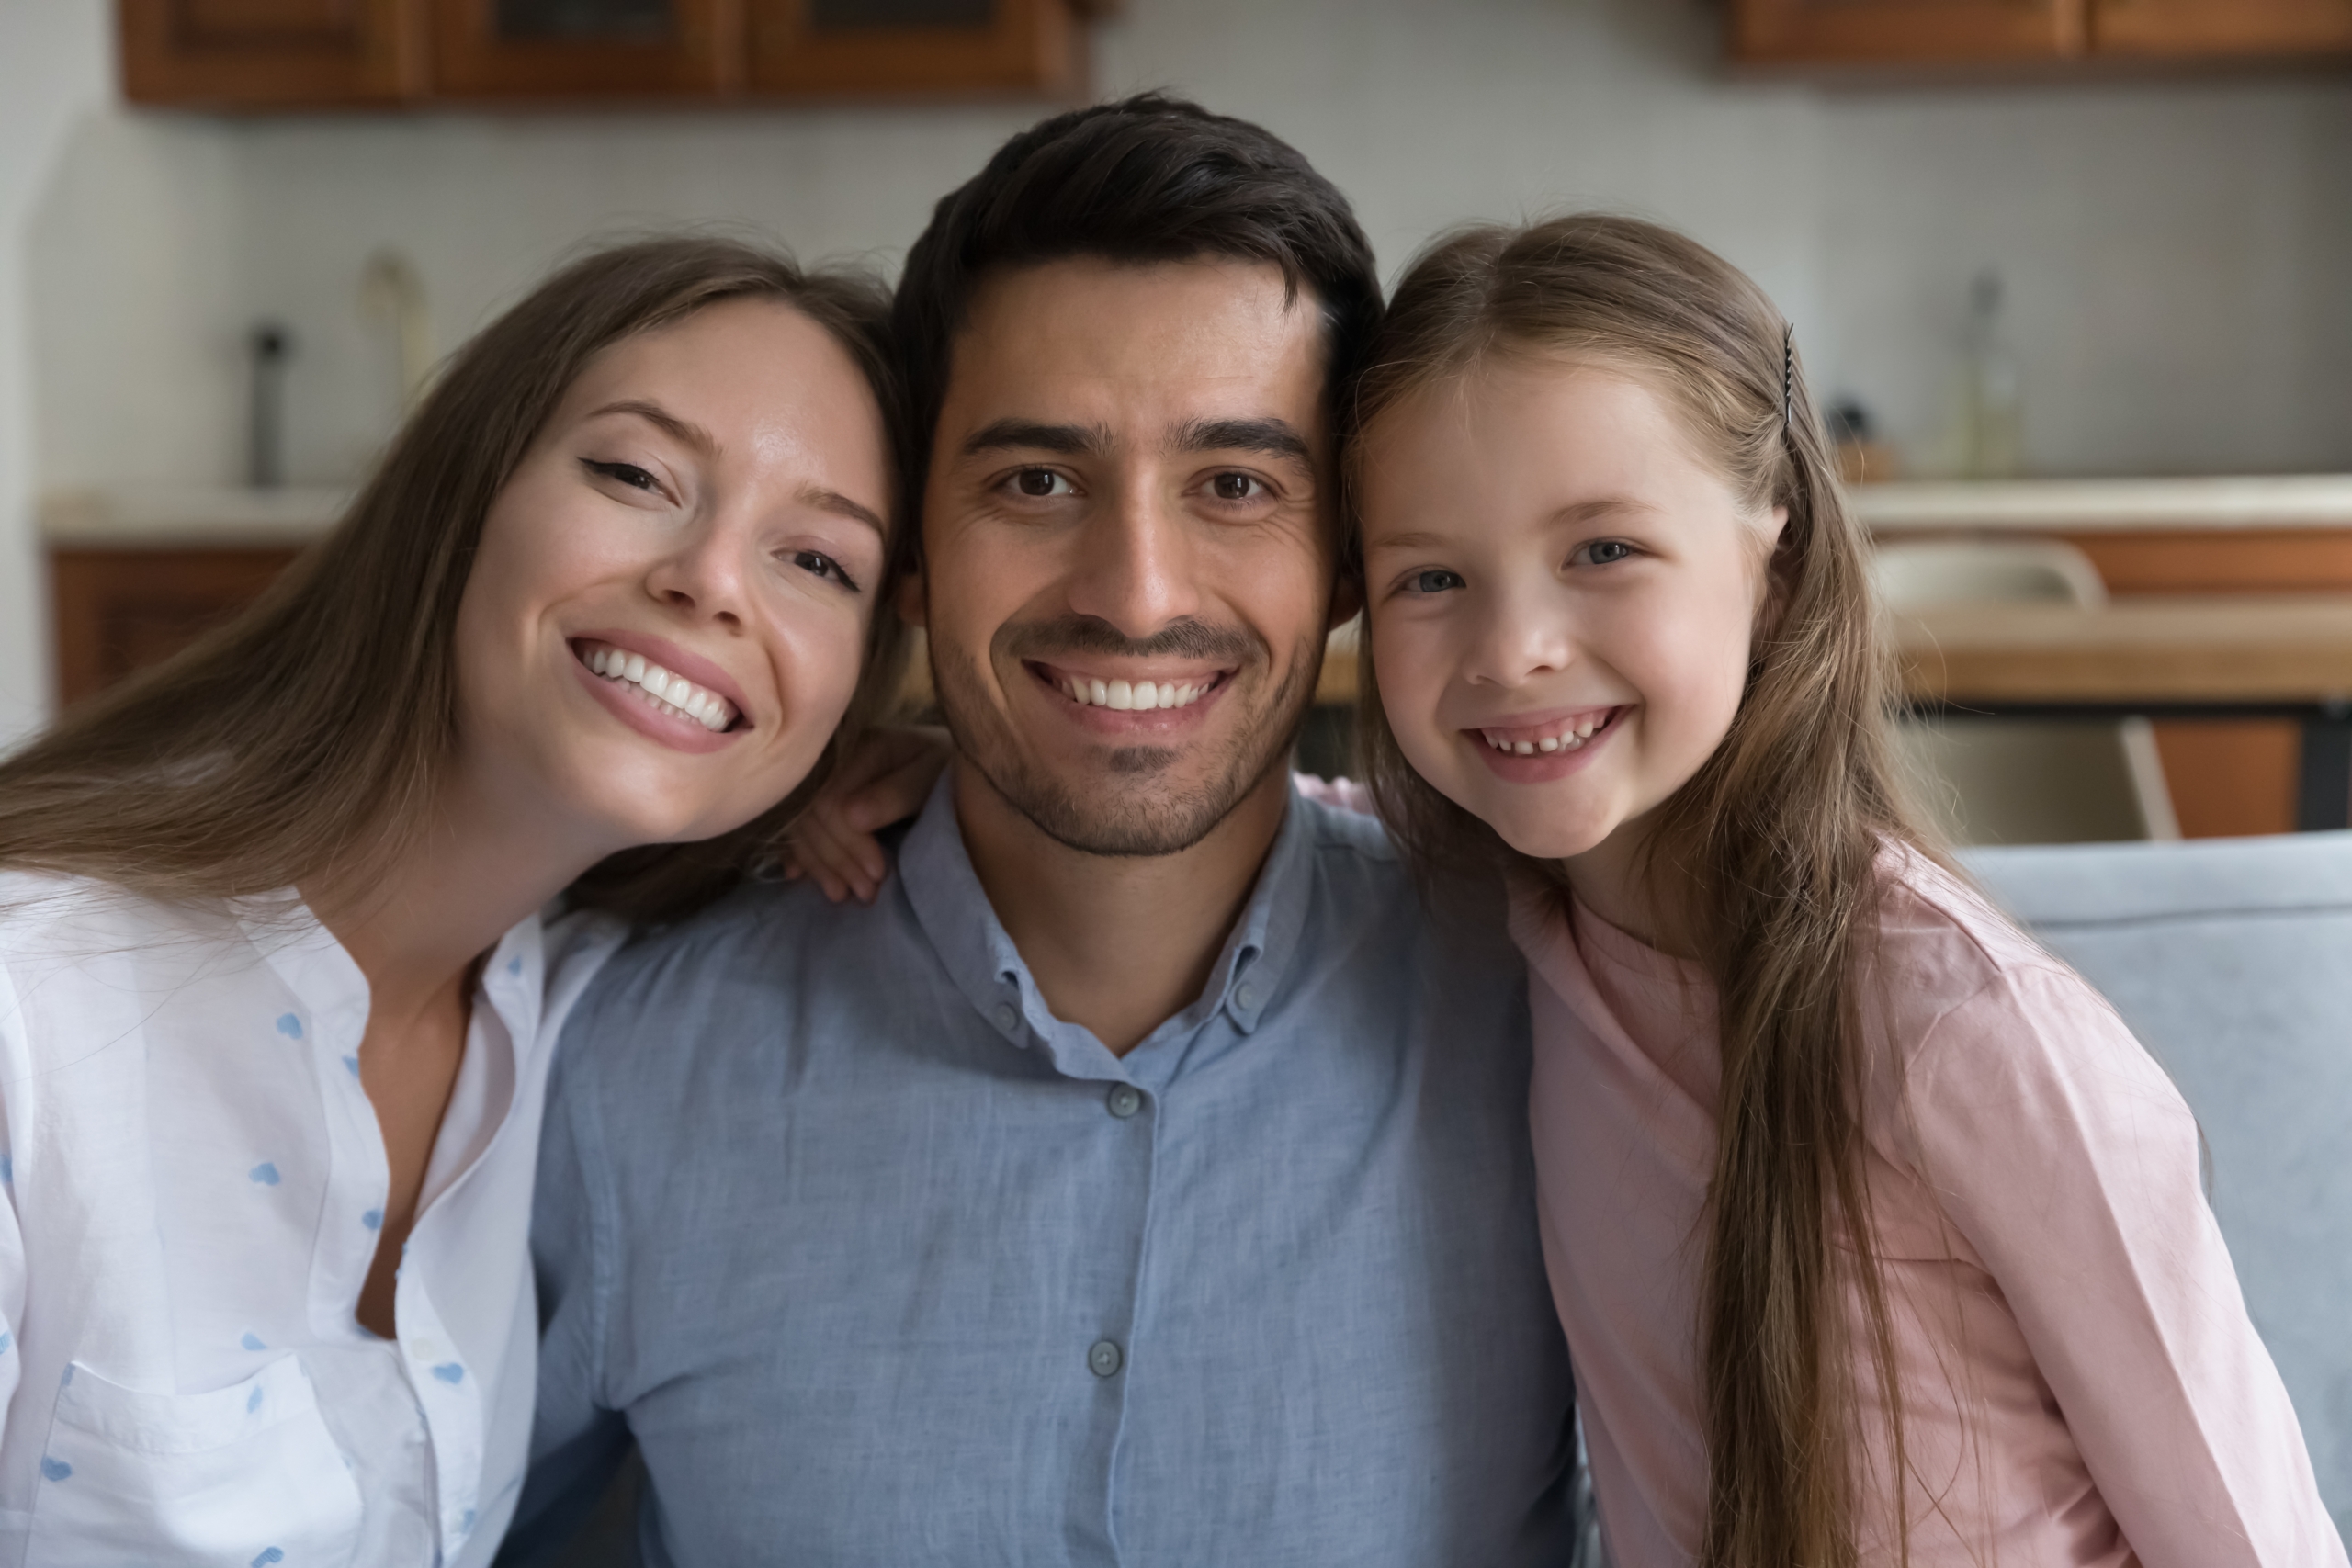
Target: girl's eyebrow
{"points": [[1404, 541], [1602, 506]]}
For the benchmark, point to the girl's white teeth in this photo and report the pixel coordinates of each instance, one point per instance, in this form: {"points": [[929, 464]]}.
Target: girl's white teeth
{"points": [[1136, 696], [673, 694], [1571, 738]]}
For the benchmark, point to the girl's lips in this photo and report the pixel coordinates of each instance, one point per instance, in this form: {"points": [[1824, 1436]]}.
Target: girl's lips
{"points": [[634, 708], [1573, 750]]}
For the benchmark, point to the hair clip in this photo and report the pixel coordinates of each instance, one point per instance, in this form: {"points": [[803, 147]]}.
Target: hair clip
{"points": [[1788, 372]]}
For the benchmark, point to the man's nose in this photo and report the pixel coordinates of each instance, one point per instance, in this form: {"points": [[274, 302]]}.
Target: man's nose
{"points": [[1136, 566]]}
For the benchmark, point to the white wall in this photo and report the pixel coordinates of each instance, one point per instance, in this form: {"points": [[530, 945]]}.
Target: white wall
{"points": [[53, 69], [2178, 252]]}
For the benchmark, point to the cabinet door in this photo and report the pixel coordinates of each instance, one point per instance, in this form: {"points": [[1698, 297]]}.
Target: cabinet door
{"points": [[117, 610], [587, 48], [913, 46], [271, 53], [2210, 27], [1908, 32]]}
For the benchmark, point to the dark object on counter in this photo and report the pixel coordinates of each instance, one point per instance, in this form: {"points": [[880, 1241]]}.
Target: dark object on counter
{"points": [[271, 346], [1861, 454]]}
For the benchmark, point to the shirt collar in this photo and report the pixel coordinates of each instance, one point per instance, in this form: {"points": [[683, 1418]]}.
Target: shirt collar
{"points": [[949, 904], [312, 965]]}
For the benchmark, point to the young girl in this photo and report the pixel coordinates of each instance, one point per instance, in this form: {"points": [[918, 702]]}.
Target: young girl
{"points": [[1875, 1235], [275, 1000]]}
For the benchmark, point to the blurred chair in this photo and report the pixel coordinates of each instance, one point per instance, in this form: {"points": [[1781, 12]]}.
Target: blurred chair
{"points": [[2011, 779], [2226, 957]]}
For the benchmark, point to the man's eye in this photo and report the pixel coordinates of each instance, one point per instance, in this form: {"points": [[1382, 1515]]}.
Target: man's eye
{"points": [[1235, 486], [1602, 552], [1436, 580], [819, 564], [628, 474], [1040, 484]]}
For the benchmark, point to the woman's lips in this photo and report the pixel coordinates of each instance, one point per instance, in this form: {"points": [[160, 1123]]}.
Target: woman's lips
{"points": [[634, 706]]}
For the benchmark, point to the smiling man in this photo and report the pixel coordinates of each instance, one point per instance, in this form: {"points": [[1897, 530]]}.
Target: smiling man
{"points": [[1143, 1177]]}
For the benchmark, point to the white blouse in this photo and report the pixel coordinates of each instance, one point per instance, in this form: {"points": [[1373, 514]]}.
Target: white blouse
{"points": [[193, 1183]]}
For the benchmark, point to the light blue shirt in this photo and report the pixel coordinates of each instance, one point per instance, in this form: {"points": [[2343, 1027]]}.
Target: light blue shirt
{"points": [[883, 1265]]}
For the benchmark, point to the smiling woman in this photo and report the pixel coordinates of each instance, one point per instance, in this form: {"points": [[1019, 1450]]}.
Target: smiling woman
{"points": [[275, 998]]}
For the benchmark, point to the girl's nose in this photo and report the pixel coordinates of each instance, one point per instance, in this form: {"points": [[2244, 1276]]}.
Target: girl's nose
{"points": [[1515, 640]]}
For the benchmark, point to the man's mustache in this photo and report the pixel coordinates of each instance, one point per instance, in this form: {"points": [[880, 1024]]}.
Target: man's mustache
{"points": [[1187, 639]]}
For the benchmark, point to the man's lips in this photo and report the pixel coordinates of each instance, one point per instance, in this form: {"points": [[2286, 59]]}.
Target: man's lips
{"points": [[1131, 691]]}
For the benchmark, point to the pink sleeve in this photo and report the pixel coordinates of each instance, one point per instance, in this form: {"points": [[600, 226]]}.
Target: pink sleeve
{"points": [[1345, 794], [2070, 1162]]}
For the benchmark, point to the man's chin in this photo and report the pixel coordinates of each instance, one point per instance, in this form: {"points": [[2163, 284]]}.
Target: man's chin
{"points": [[1122, 814]]}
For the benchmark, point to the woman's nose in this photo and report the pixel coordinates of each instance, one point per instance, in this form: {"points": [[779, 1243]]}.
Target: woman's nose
{"points": [[703, 577]]}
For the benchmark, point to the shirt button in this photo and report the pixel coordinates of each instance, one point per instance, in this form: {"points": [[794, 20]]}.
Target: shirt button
{"points": [[1245, 997], [1105, 1359], [1125, 1100], [1007, 1015]]}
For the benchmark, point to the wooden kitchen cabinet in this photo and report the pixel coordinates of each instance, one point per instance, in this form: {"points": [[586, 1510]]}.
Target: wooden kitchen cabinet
{"points": [[831, 47], [119, 610], [1962, 33], [272, 53], [611, 50], [1905, 32], [2217, 28]]}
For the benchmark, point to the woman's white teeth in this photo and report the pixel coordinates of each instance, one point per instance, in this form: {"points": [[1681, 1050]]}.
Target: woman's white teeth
{"points": [[1571, 738], [1132, 696], [671, 693]]}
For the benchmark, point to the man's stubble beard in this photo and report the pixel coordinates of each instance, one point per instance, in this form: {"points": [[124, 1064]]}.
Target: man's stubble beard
{"points": [[1132, 813]]}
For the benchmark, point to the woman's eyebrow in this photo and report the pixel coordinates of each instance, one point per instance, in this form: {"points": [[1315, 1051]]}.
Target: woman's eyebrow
{"points": [[834, 501], [692, 435]]}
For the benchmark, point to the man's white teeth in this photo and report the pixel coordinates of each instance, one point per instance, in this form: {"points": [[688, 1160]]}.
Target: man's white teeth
{"points": [[1571, 738], [673, 695], [1136, 696]]}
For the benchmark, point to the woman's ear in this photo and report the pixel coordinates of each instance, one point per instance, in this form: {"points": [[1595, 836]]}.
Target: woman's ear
{"points": [[1778, 578]]}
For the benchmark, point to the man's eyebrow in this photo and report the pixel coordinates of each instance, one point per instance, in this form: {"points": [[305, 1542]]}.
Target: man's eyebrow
{"points": [[692, 435], [1037, 436], [834, 501], [1271, 437]]}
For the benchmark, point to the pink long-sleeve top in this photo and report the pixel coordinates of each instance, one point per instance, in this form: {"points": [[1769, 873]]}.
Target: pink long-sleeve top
{"points": [[2081, 1383]]}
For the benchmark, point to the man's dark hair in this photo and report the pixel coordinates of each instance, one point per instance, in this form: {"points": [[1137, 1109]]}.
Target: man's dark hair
{"points": [[1149, 178]]}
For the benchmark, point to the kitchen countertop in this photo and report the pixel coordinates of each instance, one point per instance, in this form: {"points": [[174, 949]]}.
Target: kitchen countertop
{"points": [[2087, 506], [225, 517]]}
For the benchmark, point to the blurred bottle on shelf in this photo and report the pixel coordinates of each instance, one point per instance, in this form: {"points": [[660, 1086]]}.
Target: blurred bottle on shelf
{"points": [[1990, 434], [1862, 456]]}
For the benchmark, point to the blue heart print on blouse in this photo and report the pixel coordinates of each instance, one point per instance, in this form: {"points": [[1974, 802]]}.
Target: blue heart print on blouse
{"points": [[252, 1341], [373, 1218], [450, 1373], [8, 1170], [290, 1027], [269, 1554], [264, 1173], [55, 1469], [7, 1342], [515, 965], [352, 1063]]}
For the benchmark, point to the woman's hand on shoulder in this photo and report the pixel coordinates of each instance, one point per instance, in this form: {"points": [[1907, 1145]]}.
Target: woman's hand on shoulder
{"points": [[885, 780]]}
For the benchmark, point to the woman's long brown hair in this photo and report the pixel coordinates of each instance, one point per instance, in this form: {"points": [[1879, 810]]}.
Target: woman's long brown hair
{"points": [[308, 734], [1774, 843]]}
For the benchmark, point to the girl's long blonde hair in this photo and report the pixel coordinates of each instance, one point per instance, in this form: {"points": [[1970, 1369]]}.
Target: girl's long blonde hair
{"points": [[1774, 843], [308, 734]]}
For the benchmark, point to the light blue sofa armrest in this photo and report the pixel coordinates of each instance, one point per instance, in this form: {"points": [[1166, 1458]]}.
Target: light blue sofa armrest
{"points": [[2231, 961]]}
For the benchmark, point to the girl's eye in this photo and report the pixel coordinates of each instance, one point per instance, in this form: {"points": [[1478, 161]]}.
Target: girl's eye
{"points": [[818, 564], [1236, 487], [1602, 552], [628, 474], [1436, 580], [1040, 484]]}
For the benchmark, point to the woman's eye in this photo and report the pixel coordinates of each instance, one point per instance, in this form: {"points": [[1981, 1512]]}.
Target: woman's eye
{"points": [[818, 563], [628, 474], [1040, 484], [1602, 552], [1236, 487], [1436, 580]]}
